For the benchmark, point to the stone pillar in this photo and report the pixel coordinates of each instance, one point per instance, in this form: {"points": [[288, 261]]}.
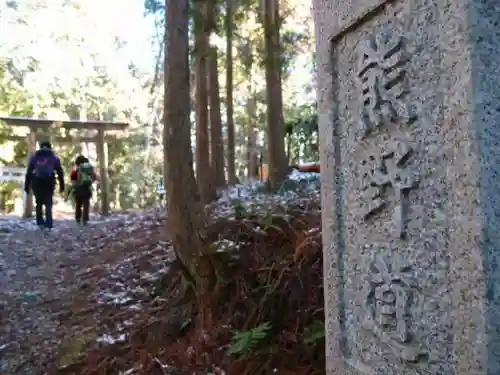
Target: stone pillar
{"points": [[409, 115], [102, 156], [28, 200]]}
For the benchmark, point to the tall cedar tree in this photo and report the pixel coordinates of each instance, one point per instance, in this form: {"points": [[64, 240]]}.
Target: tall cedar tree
{"points": [[216, 142], [185, 216], [204, 173], [274, 95], [231, 164]]}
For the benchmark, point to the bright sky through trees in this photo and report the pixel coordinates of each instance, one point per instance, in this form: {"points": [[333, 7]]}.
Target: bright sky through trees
{"points": [[64, 35]]}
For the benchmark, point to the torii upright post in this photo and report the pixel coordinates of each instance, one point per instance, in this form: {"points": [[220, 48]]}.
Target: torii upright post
{"points": [[102, 156], [28, 206]]}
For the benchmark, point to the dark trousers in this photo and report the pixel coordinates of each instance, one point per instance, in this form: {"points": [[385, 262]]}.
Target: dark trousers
{"points": [[82, 205], [43, 200]]}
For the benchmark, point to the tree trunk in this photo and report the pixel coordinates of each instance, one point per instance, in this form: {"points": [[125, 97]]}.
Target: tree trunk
{"points": [[185, 216], [288, 148], [231, 167], [275, 125], [216, 142], [252, 162], [252, 167], [204, 173]]}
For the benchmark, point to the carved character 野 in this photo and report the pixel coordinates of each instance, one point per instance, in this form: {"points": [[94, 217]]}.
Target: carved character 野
{"points": [[389, 172]]}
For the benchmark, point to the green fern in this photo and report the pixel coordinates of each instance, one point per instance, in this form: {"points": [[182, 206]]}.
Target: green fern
{"points": [[270, 220], [244, 342], [238, 209], [314, 332]]}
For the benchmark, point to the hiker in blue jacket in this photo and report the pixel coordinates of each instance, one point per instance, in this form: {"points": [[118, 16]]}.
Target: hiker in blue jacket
{"points": [[40, 177]]}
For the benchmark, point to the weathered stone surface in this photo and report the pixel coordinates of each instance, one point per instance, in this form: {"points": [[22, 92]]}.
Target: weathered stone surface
{"points": [[409, 101]]}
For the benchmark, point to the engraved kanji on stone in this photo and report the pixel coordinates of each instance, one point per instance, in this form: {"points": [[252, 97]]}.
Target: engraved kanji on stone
{"points": [[389, 174], [381, 72], [389, 299]]}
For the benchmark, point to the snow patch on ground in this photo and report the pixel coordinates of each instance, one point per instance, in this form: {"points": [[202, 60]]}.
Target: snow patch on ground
{"points": [[251, 197], [240, 191], [303, 176], [109, 339]]}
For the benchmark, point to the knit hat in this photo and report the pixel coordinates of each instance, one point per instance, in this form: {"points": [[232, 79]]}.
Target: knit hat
{"points": [[45, 144]]}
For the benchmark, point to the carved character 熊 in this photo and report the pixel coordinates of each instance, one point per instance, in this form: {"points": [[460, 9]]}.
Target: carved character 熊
{"points": [[381, 71]]}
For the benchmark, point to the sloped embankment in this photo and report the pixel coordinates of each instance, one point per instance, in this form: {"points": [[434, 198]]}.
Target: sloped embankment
{"points": [[266, 316]]}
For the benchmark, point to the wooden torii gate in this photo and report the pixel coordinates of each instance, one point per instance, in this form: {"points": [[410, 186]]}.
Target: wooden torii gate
{"points": [[39, 131]]}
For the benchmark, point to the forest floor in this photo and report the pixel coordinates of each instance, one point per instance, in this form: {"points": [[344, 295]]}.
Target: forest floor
{"points": [[107, 298]]}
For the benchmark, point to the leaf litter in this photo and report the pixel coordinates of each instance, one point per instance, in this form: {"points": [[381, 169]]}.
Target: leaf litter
{"points": [[107, 298]]}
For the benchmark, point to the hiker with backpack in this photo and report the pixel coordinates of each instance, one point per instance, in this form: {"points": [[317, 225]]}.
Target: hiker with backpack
{"points": [[82, 177], [40, 177]]}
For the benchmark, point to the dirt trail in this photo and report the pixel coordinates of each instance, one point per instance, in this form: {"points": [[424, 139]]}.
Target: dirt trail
{"points": [[47, 278]]}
